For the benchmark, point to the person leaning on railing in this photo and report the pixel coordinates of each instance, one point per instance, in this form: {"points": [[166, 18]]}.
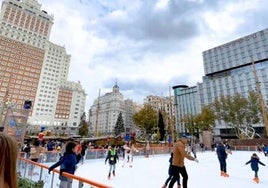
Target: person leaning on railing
{"points": [[67, 164], [8, 161]]}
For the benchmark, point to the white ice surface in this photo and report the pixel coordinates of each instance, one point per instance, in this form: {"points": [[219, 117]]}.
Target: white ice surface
{"points": [[152, 172]]}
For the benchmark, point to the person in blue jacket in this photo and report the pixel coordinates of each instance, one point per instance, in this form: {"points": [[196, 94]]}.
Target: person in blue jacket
{"points": [[254, 163], [67, 164], [222, 156]]}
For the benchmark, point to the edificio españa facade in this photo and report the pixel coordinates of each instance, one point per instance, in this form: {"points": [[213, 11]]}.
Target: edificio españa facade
{"points": [[33, 68]]}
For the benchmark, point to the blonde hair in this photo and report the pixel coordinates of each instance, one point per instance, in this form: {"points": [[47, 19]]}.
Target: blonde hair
{"points": [[8, 161]]}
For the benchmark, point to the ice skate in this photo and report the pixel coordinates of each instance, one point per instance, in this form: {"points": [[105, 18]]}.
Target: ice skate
{"points": [[113, 173], [256, 179], [224, 174], [164, 186], [109, 176]]}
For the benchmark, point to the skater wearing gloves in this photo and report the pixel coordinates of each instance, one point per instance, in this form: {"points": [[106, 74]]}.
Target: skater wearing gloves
{"points": [[222, 156], [112, 158], [254, 163], [179, 153]]}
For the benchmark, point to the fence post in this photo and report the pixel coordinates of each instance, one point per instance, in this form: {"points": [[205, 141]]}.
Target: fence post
{"points": [[25, 169], [80, 185], [52, 180], [41, 173]]}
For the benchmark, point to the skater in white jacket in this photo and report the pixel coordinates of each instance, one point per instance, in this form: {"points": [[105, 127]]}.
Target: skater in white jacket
{"points": [[129, 149]]}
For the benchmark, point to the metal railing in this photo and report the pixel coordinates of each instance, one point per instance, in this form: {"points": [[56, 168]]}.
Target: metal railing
{"points": [[37, 172]]}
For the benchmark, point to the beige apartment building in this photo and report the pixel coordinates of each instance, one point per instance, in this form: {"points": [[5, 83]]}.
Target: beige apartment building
{"points": [[33, 68]]}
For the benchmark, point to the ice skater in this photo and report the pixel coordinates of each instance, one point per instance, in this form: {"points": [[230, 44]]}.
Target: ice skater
{"points": [[178, 167], [254, 163], [222, 156], [67, 163], [129, 149], [112, 158], [170, 173]]}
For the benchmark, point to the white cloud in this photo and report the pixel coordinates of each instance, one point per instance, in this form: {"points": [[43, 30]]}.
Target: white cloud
{"points": [[147, 45]]}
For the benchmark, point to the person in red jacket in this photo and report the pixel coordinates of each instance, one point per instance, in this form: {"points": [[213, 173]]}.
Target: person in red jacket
{"points": [[178, 167]]}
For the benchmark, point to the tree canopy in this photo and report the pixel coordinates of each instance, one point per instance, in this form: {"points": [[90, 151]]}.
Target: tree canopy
{"points": [[161, 126], [239, 112], [83, 126], [147, 119]]}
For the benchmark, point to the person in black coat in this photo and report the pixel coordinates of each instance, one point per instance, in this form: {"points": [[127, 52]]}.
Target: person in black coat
{"points": [[67, 164], [112, 158], [170, 173], [222, 156], [254, 163]]}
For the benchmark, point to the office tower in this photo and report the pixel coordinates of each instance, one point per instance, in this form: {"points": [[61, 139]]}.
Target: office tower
{"points": [[229, 70], [33, 68]]}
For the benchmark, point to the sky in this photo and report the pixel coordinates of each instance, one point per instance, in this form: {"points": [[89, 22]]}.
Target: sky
{"points": [[152, 172], [146, 46]]}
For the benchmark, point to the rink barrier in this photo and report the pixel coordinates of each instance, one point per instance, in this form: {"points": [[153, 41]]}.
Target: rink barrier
{"points": [[24, 165], [53, 156], [38, 172]]}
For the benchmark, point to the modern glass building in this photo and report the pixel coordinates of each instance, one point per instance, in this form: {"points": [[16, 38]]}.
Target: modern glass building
{"points": [[229, 70], [186, 103]]}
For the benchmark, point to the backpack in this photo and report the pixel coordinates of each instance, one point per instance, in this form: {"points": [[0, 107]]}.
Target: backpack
{"points": [[112, 158]]}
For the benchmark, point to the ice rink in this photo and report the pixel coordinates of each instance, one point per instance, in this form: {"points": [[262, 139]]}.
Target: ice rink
{"points": [[152, 172]]}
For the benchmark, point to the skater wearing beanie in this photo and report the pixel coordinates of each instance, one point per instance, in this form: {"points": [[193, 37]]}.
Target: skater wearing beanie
{"points": [[254, 163]]}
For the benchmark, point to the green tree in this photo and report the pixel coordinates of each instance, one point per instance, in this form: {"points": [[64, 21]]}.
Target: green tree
{"points": [[83, 126], [206, 119], [161, 126], [189, 122], [254, 109], [147, 119], [238, 112], [119, 125], [200, 122]]}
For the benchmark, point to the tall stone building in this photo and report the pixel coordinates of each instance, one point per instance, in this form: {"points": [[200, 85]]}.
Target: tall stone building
{"points": [[104, 112], [35, 69], [164, 104]]}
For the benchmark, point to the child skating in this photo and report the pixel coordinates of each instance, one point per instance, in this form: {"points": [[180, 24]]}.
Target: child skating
{"points": [[254, 163], [112, 158]]}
